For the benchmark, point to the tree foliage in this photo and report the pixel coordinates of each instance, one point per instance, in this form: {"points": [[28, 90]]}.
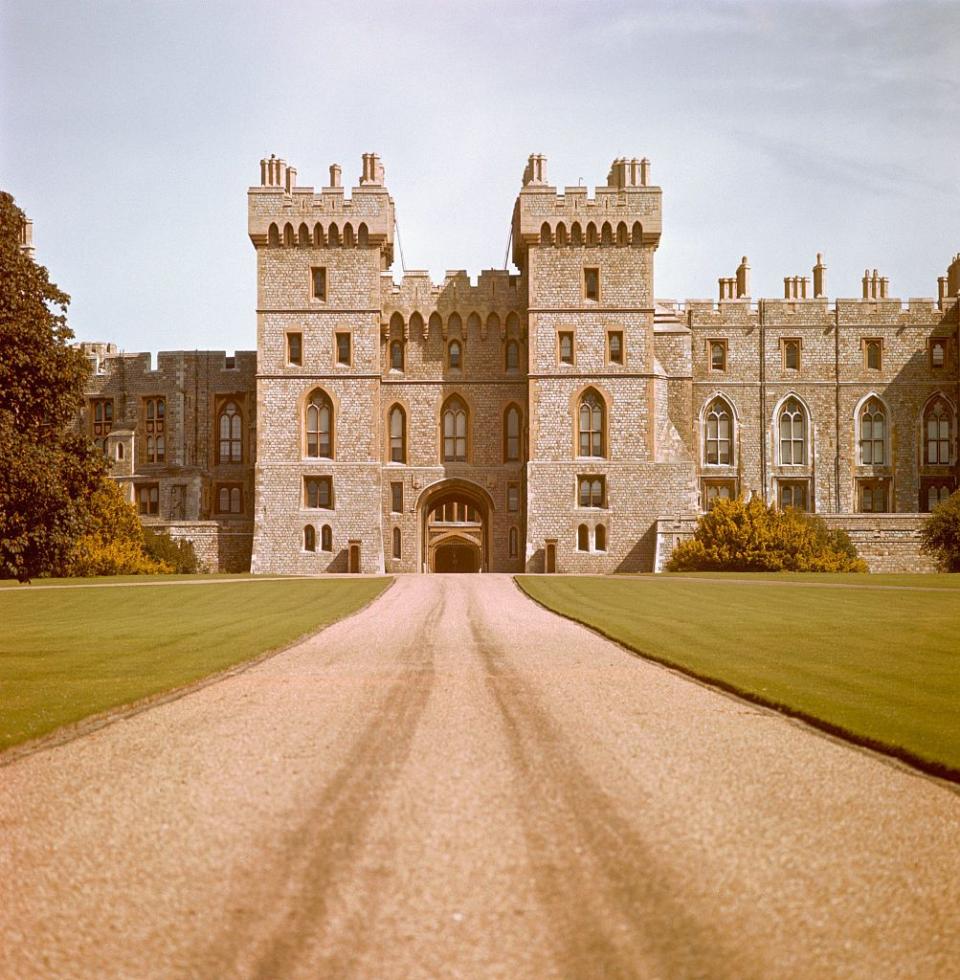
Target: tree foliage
{"points": [[47, 473], [739, 536], [940, 534], [113, 542], [179, 555]]}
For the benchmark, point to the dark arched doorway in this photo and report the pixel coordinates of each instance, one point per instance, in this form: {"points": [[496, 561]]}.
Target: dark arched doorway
{"points": [[456, 555], [455, 523]]}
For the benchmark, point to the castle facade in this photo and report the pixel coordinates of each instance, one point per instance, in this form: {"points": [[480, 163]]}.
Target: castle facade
{"points": [[559, 419]]}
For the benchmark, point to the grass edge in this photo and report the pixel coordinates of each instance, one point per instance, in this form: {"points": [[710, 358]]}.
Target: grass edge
{"points": [[913, 761], [74, 730]]}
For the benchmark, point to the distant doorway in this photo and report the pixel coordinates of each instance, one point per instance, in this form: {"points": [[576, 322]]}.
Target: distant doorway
{"points": [[456, 557], [455, 516], [353, 565], [551, 557]]}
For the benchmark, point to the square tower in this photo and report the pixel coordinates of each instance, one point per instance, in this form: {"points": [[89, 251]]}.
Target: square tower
{"points": [[595, 485], [319, 259]]}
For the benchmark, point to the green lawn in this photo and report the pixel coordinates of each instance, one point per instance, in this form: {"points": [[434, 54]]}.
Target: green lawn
{"points": [[68, 653], [877, 665]]}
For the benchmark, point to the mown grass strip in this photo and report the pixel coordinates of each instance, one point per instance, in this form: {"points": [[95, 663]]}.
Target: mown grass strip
{"points": [[881, 668], [67, 654]]}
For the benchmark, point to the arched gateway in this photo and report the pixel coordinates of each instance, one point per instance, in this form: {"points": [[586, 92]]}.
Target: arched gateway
{"points": [[455, 527]]}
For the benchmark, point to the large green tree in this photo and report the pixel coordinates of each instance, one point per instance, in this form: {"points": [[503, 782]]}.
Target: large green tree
{"points": [[47, 472]]}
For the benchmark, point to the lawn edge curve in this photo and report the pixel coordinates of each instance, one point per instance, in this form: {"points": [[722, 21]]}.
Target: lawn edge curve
{"points": [[102, 719], [891, 753]]}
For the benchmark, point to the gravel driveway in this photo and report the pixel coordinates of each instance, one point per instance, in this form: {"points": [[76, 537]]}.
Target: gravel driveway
{"points": [[457, 783]]}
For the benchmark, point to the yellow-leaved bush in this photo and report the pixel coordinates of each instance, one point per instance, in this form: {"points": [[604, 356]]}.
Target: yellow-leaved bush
{"points": [[113, 543], [748, 536]]}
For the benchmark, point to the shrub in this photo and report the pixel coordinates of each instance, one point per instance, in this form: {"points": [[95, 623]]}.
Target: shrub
{"points": [[113, 542], [178, 554], [940, 534], [739, 536]]}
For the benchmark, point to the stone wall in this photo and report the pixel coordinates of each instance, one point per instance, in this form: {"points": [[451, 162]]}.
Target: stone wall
{"points": [[404, 335]]}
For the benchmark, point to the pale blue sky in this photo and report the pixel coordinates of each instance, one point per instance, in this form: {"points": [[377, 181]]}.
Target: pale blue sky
{"points": [[130, 132]]}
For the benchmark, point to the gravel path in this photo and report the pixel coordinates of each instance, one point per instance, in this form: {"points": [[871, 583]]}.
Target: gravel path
{"points": [[457, 783]]}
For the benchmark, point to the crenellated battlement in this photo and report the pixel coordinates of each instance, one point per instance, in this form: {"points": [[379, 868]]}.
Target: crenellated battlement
{"points": [[626, 211], [282, 215], [107, 361], [494, 304]]}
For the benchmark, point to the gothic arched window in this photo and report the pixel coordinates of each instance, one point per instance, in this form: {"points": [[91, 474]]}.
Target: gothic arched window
{"points": [[455, 355], [937, 434], [398, 435], [793, 428], [454, 431], [873, 427], [319, 426], [309, 538], [590, 424], [396, 355], [511, 434], [512, 355], [718, 434], [600, 538], [230, 427]]}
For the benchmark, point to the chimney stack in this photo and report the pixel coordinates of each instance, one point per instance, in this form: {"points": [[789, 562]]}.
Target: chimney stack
{"points": [[819, 278]]}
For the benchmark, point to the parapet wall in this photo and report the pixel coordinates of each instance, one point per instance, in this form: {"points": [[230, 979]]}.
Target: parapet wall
{"points": [[495, 304], [280, 213]]}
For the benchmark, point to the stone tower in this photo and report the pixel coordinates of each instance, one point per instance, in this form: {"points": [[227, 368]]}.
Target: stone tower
{"points": [[597, 477], [318, 368]]}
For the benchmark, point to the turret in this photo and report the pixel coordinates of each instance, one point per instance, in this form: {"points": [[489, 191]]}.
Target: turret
{"points": [[626, 211], [281, 214]]}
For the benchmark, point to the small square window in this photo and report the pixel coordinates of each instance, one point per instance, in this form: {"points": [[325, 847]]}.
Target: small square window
{"points": [[148, 499], [874, 496], [938, 353], [396, 498], [791, 354], [513, 497], [318, 283], [872, 354], [591, 491], [935, 491], [343, 348], [565, 339], [792, 493], [718, 355], [714, 490], [228, 498], [615, 346], [295, 348], [591, 284], [318, 492]]}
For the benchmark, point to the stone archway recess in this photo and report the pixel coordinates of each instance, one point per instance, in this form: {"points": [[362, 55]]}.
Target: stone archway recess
{"points": [[454, 518]]}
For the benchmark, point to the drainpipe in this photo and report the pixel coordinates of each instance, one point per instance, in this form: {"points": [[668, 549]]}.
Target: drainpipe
{"points": [[763, 403], [836, 407]]}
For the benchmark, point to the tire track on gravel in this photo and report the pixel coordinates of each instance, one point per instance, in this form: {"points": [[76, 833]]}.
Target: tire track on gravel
{"points": [[325, 846], [599, 884]]}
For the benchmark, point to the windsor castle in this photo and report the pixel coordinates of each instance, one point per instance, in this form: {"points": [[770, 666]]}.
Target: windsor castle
{"points": [[560, 419]]}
